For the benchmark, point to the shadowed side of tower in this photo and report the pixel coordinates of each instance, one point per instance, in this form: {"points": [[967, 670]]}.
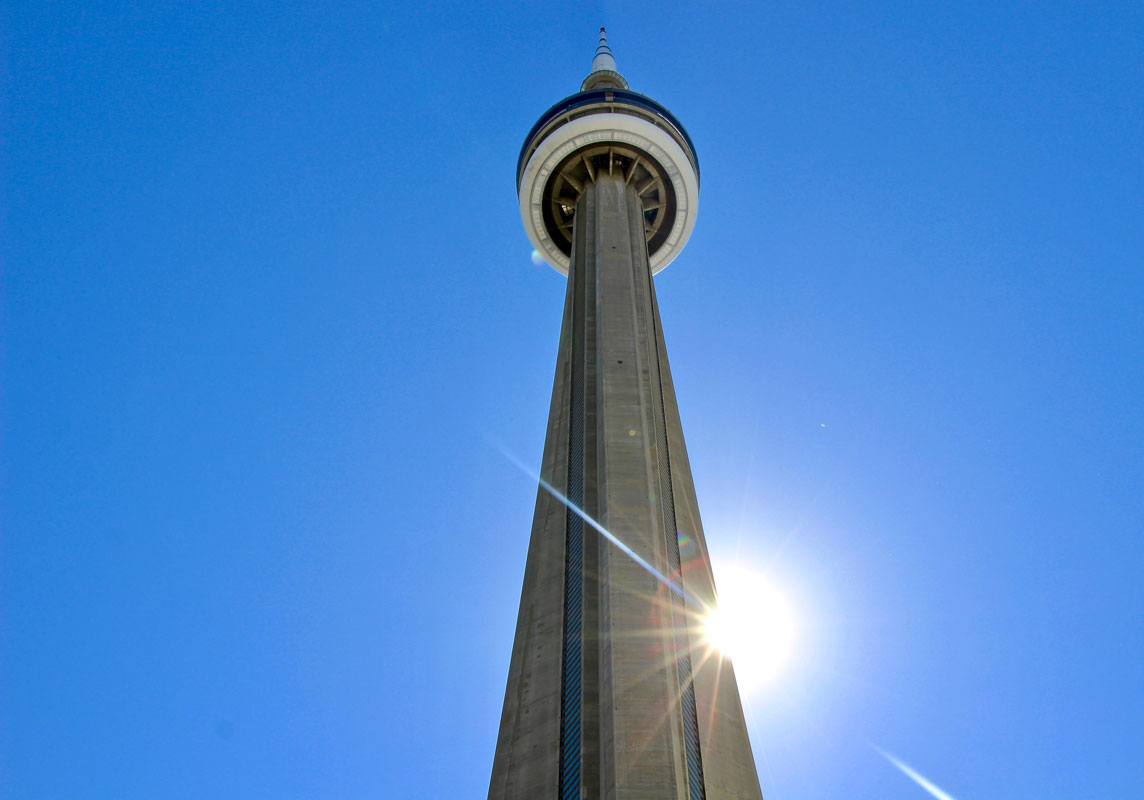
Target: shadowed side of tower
{"points": [[609, 694]]}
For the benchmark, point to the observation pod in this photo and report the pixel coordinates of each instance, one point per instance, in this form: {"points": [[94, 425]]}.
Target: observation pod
{"points": [[607, 129]]}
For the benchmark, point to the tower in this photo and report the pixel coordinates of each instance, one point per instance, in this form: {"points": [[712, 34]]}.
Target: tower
{"points": [[611, 692]]}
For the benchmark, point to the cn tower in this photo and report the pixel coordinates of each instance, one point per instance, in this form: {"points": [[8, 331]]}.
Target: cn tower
{"points": [[611, 691]]}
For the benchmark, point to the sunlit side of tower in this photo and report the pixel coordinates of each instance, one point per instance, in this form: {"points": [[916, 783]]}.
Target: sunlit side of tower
{"points": [[611, 691]]}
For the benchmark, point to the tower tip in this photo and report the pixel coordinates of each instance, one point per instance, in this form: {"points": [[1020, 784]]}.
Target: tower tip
{"points": [[603, 72]]}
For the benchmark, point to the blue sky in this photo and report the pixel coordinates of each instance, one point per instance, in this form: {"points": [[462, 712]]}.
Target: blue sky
{"points": [[268, 316]]}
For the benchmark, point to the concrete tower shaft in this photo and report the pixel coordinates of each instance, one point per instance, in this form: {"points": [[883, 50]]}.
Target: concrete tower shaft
{"points": [[610, 692]]}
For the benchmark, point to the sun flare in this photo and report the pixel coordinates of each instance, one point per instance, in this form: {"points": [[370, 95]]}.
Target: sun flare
{"points": [[752, 625]]}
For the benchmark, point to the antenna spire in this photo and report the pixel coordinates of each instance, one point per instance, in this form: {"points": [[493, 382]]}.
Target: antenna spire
{"points": [[603, 74], [603, 59]]}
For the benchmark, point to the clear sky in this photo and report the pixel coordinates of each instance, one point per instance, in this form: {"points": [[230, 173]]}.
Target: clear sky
{"points": [[269, 318]]}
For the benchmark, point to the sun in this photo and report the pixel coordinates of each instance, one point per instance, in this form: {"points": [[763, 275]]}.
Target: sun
{"points": [[752, 625]]}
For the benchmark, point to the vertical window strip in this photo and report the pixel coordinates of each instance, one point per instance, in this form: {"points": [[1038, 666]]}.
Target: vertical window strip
{"points": [[570, 700]]}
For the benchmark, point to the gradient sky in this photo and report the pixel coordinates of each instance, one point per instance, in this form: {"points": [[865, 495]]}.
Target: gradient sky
{"points": [[269, 317]]}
